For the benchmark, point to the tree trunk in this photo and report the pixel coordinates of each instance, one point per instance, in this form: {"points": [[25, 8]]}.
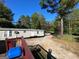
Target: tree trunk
{"points": [[69, 28], [61, 27]]}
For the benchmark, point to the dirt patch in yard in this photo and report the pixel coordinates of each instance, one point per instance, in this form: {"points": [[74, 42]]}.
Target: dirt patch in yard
{"points": [[71, 46], [60, 48]]}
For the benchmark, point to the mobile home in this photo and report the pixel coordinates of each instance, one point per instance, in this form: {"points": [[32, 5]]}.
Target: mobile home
{"points": [[13, 33]]}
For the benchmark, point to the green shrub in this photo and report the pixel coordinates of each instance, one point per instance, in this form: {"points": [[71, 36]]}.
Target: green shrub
{"points": [[66, 37]]}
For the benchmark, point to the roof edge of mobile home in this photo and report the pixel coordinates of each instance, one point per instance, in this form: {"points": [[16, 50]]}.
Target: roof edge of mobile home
{"points": [[17, 29]]}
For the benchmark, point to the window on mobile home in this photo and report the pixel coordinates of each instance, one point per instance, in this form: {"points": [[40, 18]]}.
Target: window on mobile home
{"points": [[24, 31], [5, 34], [10, 33], [37, 32]]}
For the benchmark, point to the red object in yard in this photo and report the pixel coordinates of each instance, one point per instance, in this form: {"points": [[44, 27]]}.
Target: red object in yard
{"points": [[9, 44], [26, 53]]}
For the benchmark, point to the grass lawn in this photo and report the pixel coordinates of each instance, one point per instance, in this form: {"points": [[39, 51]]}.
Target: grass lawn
{"points": [[69, 42]]}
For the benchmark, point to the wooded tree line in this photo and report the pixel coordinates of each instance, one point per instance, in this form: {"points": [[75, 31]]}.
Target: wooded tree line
{"points": [[36, 21], [71, 23], [6, 16], [61, 7]]}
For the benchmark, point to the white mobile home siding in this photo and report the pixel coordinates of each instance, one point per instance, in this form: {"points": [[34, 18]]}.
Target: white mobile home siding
{"points": [[10, 33]]}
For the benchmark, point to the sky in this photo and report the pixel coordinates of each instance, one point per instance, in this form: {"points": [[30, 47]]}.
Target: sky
{"points": [[28, 7]]}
